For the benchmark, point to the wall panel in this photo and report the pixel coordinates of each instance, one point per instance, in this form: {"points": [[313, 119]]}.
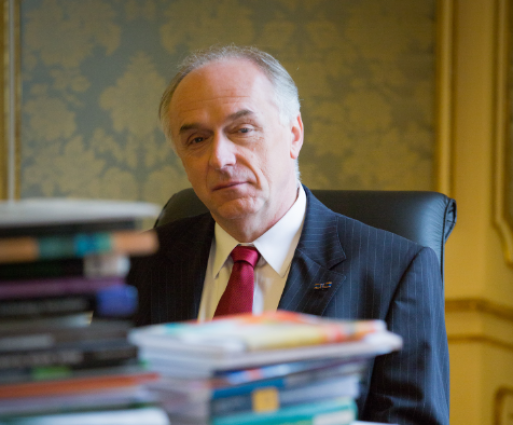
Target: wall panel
{"points": [[93, 72]]}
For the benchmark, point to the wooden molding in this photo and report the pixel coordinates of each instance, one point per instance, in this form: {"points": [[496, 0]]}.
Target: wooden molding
{"points": [[10, 113], [502, 110], [501, 395], [481, 339], [480, 306], [444, 108]]}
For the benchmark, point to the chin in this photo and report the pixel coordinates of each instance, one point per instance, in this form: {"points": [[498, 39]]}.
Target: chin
{"points": [[236, 209]]}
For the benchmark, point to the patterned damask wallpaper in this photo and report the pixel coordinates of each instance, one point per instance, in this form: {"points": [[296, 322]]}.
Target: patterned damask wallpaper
{"points": [[93, 72]]}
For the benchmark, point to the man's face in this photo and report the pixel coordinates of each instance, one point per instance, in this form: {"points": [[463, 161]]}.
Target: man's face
{"points": [[238, 155]]}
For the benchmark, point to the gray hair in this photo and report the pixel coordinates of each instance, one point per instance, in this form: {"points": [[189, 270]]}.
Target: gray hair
{"points": [[285, 90]]}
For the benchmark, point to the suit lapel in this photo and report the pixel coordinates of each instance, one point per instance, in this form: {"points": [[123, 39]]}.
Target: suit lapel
{"points": [[311, 283], [186, 263]]}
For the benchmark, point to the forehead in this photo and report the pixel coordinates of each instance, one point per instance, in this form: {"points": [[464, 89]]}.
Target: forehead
{"points": [[221, 82]]}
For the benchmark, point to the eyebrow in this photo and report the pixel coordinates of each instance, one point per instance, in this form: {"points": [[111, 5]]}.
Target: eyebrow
{"points": [[240, 114], [232, 117]]}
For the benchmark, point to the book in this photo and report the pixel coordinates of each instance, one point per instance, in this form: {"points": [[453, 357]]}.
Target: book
{"points": [[83, 355], [369, 347], [224, 378], [28, 248], [88, 266], [268, 399], [61, 261], [260, 399], [248, 332], [137, 416], [118, 398], [52, 373], [81, 383], [51, 337], [71, 320], [207, 389], [243, 341], [114, 301], [56, 286], [236, 376], [48, 212], [337, 411], [102, 225]]}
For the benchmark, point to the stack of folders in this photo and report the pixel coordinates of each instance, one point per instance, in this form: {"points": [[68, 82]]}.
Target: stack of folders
{"points": [[65, 357], [276, 368]]}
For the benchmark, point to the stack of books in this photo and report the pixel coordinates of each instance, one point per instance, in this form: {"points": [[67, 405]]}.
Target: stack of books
{"points": [[65, 357], [275, 368]]}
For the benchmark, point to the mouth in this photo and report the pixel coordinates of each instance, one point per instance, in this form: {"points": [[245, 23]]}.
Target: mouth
{"points": [[227, 185]]}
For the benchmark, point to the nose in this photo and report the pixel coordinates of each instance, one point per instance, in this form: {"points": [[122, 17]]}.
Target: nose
{"points": [[222, 152]]}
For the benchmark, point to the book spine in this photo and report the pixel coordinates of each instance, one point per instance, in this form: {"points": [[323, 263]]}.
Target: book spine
{"points": [[271, 398], [287, 381], [341, 417], [331, 412], [131, 397], [95, 226], [92, 356], [248, 388], [56, 287], [74, 385], [89, 266], [50, 339], [295, 369], [27, 248], [143, 415], [117, 301], [70, 372], [34, 308]]}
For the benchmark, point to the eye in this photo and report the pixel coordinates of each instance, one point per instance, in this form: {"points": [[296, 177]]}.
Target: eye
{"points": [[196, 140], [246, 129]]}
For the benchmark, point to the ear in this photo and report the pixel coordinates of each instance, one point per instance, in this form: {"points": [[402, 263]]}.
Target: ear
{"points": [[297, 135]]}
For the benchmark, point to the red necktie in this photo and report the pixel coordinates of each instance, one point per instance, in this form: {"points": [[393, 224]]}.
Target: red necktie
{"points": [[238, 295]]}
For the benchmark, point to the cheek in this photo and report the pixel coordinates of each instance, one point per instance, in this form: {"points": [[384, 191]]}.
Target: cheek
{"points": [[193, 168], [261, 165]]}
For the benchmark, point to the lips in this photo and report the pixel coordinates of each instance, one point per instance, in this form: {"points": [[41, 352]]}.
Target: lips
{"points": [[227, 185]]}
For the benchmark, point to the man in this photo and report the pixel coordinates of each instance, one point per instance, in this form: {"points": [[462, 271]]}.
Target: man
{"points": [[233, 117]]}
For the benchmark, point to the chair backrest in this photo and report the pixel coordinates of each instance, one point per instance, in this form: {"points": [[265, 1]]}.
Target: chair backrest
{"points": [[427, 218]]}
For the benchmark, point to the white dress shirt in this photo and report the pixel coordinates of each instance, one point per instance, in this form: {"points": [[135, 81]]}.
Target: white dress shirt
{"points": [[276, 247]]}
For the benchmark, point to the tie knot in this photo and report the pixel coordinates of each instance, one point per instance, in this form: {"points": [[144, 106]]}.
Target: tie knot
{"points": [[245, 253]]}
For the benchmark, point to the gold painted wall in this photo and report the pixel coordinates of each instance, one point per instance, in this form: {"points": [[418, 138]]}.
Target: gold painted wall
{"points": [[479, 281], [93, 72]]}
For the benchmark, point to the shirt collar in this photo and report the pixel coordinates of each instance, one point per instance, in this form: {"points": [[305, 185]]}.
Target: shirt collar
{"points": [[276, 246]]}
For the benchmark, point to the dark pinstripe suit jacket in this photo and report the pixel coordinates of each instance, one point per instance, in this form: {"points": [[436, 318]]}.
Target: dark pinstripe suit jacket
{"points": [[374, 275]]}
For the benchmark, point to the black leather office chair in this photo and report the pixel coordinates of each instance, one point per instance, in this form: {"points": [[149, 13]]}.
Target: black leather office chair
{"points": [[427, 218]]}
